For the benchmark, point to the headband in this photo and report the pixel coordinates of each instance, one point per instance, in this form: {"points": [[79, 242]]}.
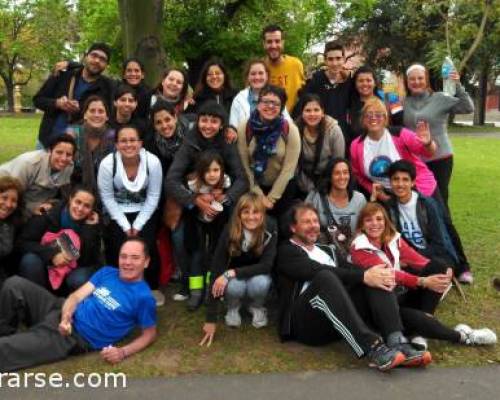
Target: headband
{"points": [[415, 67]]}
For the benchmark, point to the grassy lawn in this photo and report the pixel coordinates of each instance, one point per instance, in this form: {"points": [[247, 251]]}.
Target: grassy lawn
{"points": [[474, 200]]}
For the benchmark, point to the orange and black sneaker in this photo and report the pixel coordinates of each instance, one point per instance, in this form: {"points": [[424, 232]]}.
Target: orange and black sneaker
{"points": [[385, 358]]}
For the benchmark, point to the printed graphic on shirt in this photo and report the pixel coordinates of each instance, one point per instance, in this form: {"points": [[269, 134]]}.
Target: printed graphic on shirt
{"points": [[413, 234], [279, 80], [379, 166], [103, 295]]}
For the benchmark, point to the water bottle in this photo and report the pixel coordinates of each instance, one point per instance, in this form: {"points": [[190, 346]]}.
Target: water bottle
{"points": [[449, 85]]}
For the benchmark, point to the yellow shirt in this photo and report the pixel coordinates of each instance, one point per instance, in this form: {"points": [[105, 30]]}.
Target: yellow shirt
{"points": [[288, 74]]}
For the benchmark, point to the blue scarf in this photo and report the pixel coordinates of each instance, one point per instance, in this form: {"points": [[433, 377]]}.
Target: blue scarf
{"points": [[67, 222], [253, 100], [266, 137]]}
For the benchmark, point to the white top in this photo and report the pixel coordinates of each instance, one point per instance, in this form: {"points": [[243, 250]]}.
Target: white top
{"points": [[149, 178], [378, 156], [317, 255], [410, 228]]}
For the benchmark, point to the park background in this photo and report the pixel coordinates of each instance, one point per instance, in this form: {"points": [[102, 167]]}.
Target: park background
{"points": [[34, 34]]}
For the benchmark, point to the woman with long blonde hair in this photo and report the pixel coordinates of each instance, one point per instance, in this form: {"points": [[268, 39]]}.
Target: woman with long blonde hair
{"points": [[242, 265]]}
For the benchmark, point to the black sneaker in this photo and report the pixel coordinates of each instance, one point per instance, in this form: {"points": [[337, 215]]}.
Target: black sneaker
{"points": [[414, 357], [385, 358], [195, 299]]}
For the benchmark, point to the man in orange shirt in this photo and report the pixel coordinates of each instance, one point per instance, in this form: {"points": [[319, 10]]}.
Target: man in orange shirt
{"points": [[284, 71]]}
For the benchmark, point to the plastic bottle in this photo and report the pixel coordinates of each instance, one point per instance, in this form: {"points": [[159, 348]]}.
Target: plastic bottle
{"points": [[449, 85]]}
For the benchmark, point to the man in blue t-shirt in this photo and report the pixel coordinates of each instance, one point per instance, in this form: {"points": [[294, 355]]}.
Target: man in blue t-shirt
{"points": [[95, 317]]}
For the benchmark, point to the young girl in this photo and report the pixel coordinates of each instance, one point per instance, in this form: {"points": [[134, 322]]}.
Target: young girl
{"points": [[209, 179], [420, 281], [241, 266]]}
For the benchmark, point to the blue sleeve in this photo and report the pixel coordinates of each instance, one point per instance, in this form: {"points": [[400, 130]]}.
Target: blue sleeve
{"points": [[146, 314]]}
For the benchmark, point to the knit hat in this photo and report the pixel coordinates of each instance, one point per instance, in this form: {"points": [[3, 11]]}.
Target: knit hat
{"points": [[210, 107], [102, 47]]}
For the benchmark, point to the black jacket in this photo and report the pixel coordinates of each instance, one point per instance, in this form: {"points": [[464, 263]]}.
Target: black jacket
{"points": [[294, 268], [225, 99], [185, 161], [37, 226], [57, 86], [432, 225]]}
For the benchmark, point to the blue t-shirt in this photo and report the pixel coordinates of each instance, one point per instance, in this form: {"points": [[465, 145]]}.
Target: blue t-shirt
{"points": [[113, 309]]}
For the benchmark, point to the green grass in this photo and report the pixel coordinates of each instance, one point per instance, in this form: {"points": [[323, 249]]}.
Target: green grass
{"points": [[466, 129], [474, 201]]}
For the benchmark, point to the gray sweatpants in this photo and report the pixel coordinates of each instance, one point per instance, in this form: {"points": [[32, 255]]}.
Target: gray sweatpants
{"points": [[22, 301]]}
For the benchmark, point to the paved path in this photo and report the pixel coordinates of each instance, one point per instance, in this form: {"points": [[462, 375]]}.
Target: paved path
{"points": [[481, 383]]}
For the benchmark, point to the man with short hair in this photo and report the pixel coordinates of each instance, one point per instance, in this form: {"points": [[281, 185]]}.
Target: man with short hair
{"points": [[95, 317], [324, 298], [62, 96], [284, 71], [333, 84]]}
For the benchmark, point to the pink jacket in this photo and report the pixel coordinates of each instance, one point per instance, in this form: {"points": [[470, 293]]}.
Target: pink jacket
{"points": [[409, 148], [57, 274]]}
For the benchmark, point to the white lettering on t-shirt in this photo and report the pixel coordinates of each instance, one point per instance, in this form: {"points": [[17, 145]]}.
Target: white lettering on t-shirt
{"points": [[103, 295]]}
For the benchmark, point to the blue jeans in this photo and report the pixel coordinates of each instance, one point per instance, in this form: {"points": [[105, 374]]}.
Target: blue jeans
{"points": [[34, 269], [256, 288]]}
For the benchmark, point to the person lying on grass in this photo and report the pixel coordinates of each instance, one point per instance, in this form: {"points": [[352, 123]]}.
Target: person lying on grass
{"points": [[99, 314]]}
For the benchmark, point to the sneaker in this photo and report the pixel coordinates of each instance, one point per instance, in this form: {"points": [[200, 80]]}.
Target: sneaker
{"points": [[181, 295], [233, 317], [385, 358], [195, 299], [259, 316], [414, 357], [159, 298], [466, 277], [419, 342], [478, 337]]}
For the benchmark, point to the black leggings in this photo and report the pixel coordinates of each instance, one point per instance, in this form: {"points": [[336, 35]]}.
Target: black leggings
{"points": [[442, 170]]}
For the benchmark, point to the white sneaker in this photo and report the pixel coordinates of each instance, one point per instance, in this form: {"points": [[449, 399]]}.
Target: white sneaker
{"points": [[180, 297], [419, 342], [233, 317], [479, 337], [159, 298], [259, 316]]}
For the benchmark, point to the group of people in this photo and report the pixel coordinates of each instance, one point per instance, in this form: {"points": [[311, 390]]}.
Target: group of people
{"points": [[315, 192]]}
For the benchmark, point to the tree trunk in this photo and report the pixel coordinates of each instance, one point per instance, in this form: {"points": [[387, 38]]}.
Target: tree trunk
{"points": [[480, 101], [142, 35], [9, 88]]}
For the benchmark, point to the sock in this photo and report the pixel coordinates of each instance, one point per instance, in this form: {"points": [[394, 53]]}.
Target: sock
{"points": [[396, 338]]}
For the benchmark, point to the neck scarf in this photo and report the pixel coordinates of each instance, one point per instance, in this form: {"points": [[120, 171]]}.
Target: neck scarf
{"points": [[67, 222], [139, 182], [266, 137]]}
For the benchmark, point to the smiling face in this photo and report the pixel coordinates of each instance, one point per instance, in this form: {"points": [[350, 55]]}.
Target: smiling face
{"points": [[172, 85], [269, 107], [80, 205], [125, 105], [374, 226], [306, 229], [215, 78], [96, 115], [312, 114], [334, 60], [401, 185], [365, 84], [257, 76], [128, 143], [209, 125], [164, 123], [95, 62], [273, 45], [133, 73], [61, 156], [417, 82], [213, 174], [340, 176], [251, 218], [132, 261], [374, 120], [8, 203]]}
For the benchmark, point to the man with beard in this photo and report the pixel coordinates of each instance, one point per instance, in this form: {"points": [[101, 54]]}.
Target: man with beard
{"points": [[61, 97], [285, 71], [324, 298]]}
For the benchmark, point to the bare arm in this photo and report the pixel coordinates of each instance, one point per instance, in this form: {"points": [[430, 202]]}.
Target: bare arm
{"points": [[70, 305], [114, 355]]}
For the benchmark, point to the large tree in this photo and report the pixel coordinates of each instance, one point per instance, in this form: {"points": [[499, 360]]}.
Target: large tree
{"points": [[32, 37]]}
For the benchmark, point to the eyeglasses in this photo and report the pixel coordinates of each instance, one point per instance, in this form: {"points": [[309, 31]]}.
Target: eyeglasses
{"points": [[126, 141], [98, 56], [375, 115], [270, 103]]}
